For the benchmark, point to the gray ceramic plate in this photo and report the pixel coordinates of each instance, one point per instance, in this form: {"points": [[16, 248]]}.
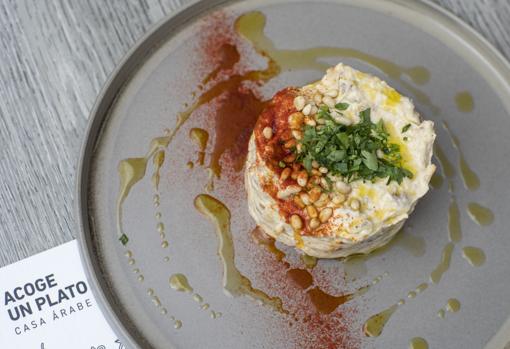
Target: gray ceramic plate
{"points": [[420, 50]]}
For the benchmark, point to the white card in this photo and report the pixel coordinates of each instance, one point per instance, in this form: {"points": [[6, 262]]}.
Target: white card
{"points": [[46, 303]]}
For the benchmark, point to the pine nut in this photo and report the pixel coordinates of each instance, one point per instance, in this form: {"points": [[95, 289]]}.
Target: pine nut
{"points": [[355, 204], [314, 223], [314, 110], [325, 214], [290, 190], [296, 222], [316, 172], [314, 194], [330, 102], [323, 200], [299, 102], [285, 174], [305, 198], [315, 164], [322, 169], [312, 211], [342, 187], [296, 120], [290, 144], [267, 132], [310, 122], [317, 99], [302, 178], [299, 202], [307, 109], [290, 158], [338, 199], [297, 134], [324, 184], [332, 93]]}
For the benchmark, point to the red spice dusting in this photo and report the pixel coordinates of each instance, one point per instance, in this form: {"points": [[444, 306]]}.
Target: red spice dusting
{"points": [[275, 116], [230, 117]]}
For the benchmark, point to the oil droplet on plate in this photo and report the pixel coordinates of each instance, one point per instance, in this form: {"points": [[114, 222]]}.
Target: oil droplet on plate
{"points": [[454, 229], [445, 164], [201, 137], [150, 292], [301, 277], [131, 261], [464, 101], [166, 259], [309, 261], [481, 215], [164, 244], [441, 313], [177, 324], [474, 255], [160, 227], [453, 305], [374, 326], [204, 306], [469, 177], [436, 181], [140, 278], [128, 254], [418, 343], [156, 301], [443, 265], [326, 303], [268, 242], [421, 287], [198, 298], [163, 311], [180, 283]]}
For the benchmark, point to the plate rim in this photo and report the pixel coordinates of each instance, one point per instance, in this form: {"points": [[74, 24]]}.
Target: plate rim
{"points": [[125, 70]]}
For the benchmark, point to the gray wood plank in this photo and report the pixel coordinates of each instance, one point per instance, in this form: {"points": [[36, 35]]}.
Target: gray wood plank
{"points": [[54, 58]]}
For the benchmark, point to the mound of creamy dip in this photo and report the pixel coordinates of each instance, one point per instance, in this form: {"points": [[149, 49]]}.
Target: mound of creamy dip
{"points": [[336, 167]]}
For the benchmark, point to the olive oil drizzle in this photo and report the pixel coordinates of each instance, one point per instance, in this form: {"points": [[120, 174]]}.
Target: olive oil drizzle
{"points": [[323, 302], [464, 101], [469, 177], [481, 215], [179, 282], [452, 306], [234, 282], [418, 343], [251, 26], [201, 137], [474, 255]]}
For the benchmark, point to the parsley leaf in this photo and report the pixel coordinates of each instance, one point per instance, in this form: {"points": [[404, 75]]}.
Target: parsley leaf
{"points": [[350, 151], [342, 106], [124, 239], [405, 128]]}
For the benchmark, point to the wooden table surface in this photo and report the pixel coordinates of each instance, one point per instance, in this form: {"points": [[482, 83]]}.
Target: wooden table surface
{"points": [[54, 57]]}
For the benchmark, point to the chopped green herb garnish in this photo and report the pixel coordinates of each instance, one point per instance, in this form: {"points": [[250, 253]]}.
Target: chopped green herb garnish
{"points": [[282, 164], [405, 128], [124, 239], [352, 151], [342, 106]]}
